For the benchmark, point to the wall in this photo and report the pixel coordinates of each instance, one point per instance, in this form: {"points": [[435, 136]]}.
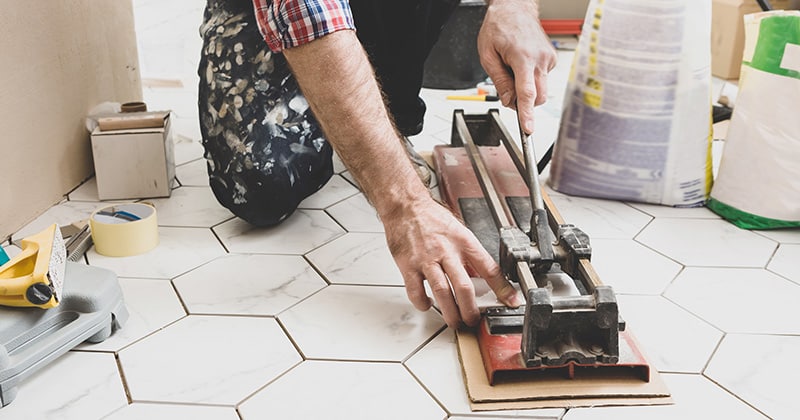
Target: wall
{"points": [[58, 61]]}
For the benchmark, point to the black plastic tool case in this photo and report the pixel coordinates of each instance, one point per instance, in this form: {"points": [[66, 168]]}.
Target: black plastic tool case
{"points": [[91, 308]]}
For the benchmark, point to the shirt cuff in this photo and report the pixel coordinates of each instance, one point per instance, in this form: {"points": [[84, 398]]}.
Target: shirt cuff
{"points": [[291, 23]]}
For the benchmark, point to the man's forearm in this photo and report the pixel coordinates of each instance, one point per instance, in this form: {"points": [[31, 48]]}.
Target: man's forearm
{"points": [[338, 82]]}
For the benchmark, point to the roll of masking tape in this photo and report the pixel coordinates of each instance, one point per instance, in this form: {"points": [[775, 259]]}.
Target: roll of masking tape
{"points": [[124, 230]]}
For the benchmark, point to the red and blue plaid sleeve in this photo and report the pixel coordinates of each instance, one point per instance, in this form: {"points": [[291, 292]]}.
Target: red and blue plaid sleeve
{"points": [[290, 23]]}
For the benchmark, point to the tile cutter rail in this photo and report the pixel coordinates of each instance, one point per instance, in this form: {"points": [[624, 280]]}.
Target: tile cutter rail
{"points": [[570, 321]]}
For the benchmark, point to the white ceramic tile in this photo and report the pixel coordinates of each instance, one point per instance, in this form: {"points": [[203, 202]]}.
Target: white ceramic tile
{"points": [[357, 258], [179, 250], [675, 212], [695, 398], [85, 192], [739, 300], [189, 128], [707, 243], [351, 179], [786, 262], [139, 411], [64, 213], [630, 267], [248, 284], [76, 386], [193, 174], [601, 218], [437, 367], [356, 214], [187, 149], [371, 323], [152, 305], [301, 232], [673, 339], [336, 190], [11, 250], [338, 165], [761, 370], [343, 391], [784, 236], [206, 359], [190, 207]]}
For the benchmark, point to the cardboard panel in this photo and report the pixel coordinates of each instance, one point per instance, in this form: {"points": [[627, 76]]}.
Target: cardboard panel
{"points": [[59, 61]]}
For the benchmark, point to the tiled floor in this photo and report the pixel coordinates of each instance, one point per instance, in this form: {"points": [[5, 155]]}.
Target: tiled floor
{"points": [[309, 319]]}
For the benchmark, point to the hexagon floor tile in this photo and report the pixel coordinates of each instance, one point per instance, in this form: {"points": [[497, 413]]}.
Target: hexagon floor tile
{"points": [[601, 218], [673, 339], [357, 258], [336, 190], [744, 300], [248, 285], [630, 267], [695, 398], [707, 243], [76, 386], [190, 207], [437, 367], [369, 323], [63, 213], [139, 411], [179, 250], [301, 232], [356, 214], [760, 369], [786, 262], [207, 360], [343, 391], [193, 174], [152, 305]]}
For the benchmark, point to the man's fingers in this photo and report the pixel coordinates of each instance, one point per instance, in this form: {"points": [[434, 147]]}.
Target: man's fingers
{"points": [[440, 288], [464, 291], [487, 268], [527, 91], [541, 89], [416, 291]]}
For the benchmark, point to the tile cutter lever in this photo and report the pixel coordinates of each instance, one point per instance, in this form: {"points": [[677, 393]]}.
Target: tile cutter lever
{"points": [[570, 319]]}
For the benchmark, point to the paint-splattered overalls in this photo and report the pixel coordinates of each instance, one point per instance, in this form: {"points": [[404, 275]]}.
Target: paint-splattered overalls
{"points": [[265, 151]]}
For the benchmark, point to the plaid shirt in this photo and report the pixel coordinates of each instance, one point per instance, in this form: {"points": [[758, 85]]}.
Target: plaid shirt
{"points": [[290, 23]]}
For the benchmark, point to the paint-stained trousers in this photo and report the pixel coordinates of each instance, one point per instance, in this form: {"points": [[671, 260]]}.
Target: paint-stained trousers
{"points": [[264, 149]]}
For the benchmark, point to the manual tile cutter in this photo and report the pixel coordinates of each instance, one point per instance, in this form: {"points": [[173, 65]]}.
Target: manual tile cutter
{"points": [[570, 320]]}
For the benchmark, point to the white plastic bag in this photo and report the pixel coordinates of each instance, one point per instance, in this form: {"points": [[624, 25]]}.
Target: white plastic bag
{"points": [[758, 183], [636, 123]]}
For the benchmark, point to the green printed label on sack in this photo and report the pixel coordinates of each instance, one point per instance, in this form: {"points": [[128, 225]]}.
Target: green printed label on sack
{"points": [[778, 47]]}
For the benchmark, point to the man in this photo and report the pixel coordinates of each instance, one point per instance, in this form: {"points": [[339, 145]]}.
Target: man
{"points": [[266, 150]]}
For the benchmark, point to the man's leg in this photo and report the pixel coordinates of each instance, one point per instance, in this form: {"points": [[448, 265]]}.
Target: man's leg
{"points": [[398, 36], [264, 149]]}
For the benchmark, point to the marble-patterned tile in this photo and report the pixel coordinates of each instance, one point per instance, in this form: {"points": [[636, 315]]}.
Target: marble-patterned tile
{"points": [[179, 250], [190, 207], [187, 149], [357, 258], [64, 213], [695, 398], [784, 236], [629, 267], [739, 300], [351, 179], [675, 212], [372, 323], [207, 359], [338, 165], [139, 411], [437, 367], [601, 218], [336, 190], [673, 339], [343, 391], [759, 369], [707, 243], [193, 174], [85, 192], [301, 232], [356, 214], [152, 305], [76, 386], [248, 285], [786, 262]]}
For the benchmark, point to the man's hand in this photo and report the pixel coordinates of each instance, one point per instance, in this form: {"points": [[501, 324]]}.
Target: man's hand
{"points": [[429, 243], [517, 55]]}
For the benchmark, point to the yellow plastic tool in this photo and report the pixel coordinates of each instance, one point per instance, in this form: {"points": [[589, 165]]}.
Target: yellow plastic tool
{"points": [[35, 277]]}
